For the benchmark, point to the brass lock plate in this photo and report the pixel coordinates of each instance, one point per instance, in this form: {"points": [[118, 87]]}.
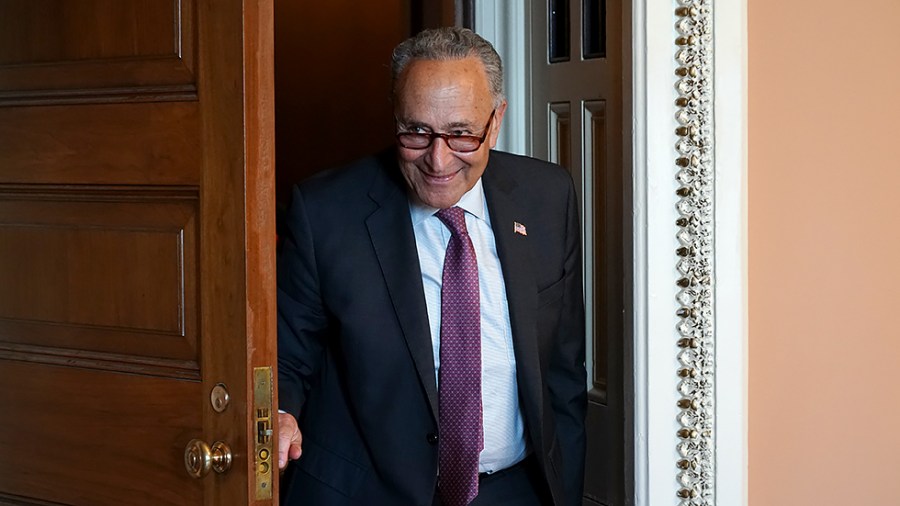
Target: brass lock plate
{"points": [[263, 416]]}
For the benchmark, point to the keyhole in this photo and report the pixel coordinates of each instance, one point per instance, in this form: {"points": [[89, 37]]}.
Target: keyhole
{"points": [[219, 398]]}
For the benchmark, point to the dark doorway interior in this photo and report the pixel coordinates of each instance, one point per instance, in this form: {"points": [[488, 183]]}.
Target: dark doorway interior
{"points": [[332, 83]]}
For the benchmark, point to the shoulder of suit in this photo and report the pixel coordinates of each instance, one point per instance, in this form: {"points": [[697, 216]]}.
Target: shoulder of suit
{"points": [[528, 170], [350, 181]]}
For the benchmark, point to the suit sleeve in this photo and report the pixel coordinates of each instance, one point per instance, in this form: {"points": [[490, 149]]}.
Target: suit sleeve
{"points": [[566, 376], [302, 319]]}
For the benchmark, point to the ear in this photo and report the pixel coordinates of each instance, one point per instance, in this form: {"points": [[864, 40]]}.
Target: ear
{"points": [[495, 125]]}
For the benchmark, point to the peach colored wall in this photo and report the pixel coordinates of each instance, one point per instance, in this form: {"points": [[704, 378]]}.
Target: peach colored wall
{"points": [[824, 252]]}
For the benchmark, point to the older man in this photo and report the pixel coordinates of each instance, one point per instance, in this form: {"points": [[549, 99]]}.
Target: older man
{"points": [[431, 324]]}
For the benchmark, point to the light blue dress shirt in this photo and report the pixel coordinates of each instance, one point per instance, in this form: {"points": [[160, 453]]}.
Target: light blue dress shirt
{"points": [[504, 441]]}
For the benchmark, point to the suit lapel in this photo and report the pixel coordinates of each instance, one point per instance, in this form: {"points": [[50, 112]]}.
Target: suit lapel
{"points": [[521, 289], [391, 232]]}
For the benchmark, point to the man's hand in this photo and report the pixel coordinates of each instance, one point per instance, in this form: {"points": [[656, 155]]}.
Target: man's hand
{"points": [[289, 439]]}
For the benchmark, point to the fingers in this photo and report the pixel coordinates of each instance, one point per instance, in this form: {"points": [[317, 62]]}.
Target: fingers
{"points": [[289, 439]]}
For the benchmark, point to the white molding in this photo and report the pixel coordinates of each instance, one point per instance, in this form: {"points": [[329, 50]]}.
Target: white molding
{"points": [[507, 25], [654, 184], [640, 323], [730, 35], [654, 211]]}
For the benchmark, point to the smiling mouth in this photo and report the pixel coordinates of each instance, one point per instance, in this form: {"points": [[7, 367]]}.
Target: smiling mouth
{"points": [[431, 178]]}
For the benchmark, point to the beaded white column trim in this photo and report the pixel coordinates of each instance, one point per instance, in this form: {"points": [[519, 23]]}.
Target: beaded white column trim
{"points": [[695, 174]]}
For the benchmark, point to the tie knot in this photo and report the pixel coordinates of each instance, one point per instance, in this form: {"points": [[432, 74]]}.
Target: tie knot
{"points": [[455, 219]]}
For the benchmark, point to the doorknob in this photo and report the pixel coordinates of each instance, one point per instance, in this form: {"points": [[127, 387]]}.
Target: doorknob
{"points": [[199, 458]]}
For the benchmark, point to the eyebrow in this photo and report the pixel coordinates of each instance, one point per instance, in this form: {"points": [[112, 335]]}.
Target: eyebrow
{"points": [[462, 125], [456, 125]]}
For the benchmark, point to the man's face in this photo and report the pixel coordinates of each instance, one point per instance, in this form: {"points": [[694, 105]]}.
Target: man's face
{"points": [[450, 97]]}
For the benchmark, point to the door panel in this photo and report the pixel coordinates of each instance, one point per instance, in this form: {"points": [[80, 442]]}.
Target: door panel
{"points": [[577, 86], [104, 249], [110, 438], [99, 144], [136, 248], [121, 50]]}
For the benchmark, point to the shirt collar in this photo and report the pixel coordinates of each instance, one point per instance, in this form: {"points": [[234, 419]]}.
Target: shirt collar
{"points": [[472, 202]]}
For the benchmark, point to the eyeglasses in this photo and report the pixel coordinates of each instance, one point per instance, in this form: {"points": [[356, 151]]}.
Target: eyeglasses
{"points": [[458, 143]]}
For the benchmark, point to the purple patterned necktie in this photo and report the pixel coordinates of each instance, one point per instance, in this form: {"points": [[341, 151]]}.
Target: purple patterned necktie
{"points": [[461, 432]]}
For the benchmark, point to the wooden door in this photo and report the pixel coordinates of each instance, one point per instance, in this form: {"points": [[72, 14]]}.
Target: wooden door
{"points": [[577, 106], [136, 249]]}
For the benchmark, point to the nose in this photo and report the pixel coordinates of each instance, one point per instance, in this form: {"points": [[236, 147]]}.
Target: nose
{"points": [[440, 154]]}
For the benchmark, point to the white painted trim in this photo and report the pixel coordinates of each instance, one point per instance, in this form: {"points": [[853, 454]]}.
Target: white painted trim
{"points": [[654, 251], [654, 212], [507, 25], [640, 322], [730, 40]]}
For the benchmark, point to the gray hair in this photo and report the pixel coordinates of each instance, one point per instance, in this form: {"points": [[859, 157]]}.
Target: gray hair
{"points": [[450, 43]]}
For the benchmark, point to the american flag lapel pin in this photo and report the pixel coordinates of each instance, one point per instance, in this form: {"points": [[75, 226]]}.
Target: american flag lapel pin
{"points": [[519, 228]]}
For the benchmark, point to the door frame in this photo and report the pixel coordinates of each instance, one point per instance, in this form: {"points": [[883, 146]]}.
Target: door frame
{"points": [[652, 412]]}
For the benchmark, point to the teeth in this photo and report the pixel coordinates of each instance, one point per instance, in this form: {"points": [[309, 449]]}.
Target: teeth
{"points": [[439, 178]]}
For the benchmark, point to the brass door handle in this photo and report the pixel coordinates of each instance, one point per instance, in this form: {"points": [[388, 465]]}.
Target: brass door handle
{"points": [[199, 458]]}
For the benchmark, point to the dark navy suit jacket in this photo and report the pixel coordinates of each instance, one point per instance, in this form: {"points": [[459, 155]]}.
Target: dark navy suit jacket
{"points": [[355, 356]]}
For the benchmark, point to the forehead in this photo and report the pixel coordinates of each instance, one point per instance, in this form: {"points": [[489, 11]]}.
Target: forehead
{"points": [[442, 87]]}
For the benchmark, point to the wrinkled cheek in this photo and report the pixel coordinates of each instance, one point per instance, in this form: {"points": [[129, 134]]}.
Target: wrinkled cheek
{"points": [[410, 174]]}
